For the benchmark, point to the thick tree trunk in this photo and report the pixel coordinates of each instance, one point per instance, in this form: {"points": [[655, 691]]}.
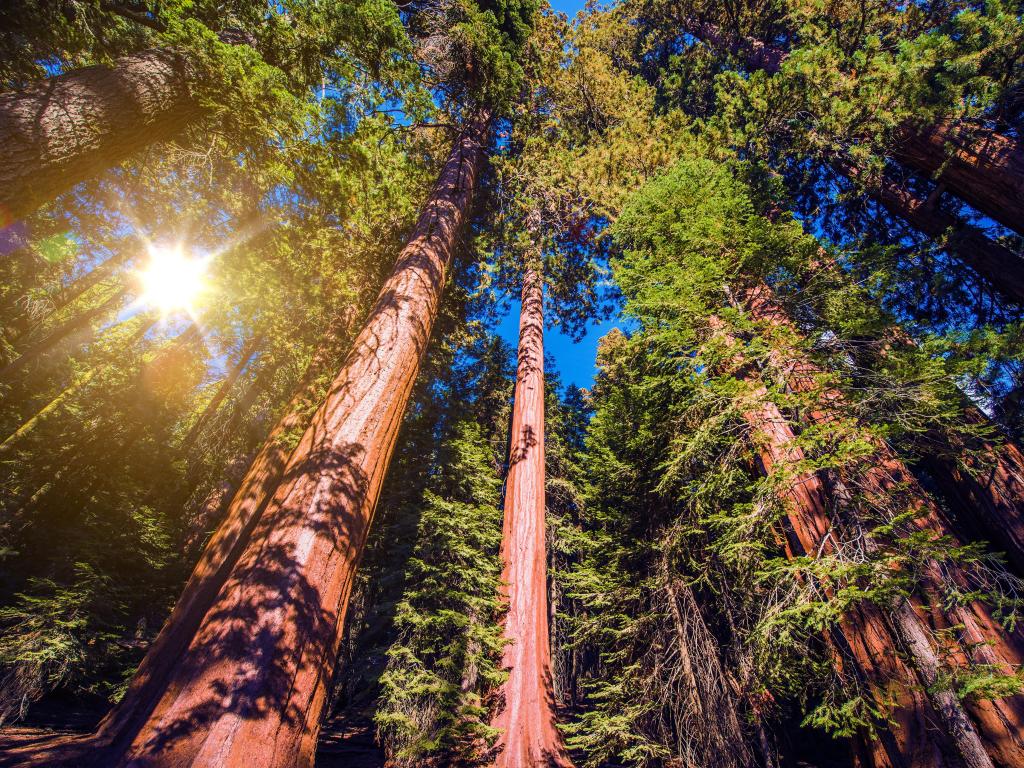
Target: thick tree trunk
{"points": [[251, 686], [998, 265], [886, 480], [986, 486], [981, 477], [526, 713], [60, 132], [983, 168], [219, 556], [863, 638]]}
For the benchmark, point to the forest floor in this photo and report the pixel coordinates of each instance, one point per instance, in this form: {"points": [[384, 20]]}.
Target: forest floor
{"points": [[342, 742]]}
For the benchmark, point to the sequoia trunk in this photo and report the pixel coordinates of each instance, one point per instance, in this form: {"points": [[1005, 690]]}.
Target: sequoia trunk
{"points": [[250, 688], [984, 483], [864, 638], [995, 263], [980, 638], [983, 168], [60, 132], [527, 711], [219, 556]]}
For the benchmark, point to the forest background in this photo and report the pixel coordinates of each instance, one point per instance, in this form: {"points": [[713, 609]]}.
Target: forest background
{"points": [[784, 514]]}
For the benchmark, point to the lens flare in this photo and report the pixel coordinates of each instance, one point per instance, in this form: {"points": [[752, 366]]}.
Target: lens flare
{"points": [[171, 280]]}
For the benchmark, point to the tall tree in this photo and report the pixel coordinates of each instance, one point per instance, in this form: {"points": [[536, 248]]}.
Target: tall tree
{"points": [[983, 167], [870, 485], [270, 639], [527, 712], [70, 127]]}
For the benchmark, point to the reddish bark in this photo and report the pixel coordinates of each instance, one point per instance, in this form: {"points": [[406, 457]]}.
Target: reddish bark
{"points": [[62, 131], [526, 717], [980, 166], [863, 633], [251, 686], [216, 561], [864, 638], [981, 638], [981, 477], [984, 482]]}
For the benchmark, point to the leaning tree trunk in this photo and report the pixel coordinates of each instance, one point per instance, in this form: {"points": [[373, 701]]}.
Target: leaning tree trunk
{"points": [[76, 324], [864, 638], [250, 688], [219, 556], [986, 483], [863, 643], [995, 263], [63, 130], [982, 167], [981, 639], [223, 389], [526, 714], [980, 476]]}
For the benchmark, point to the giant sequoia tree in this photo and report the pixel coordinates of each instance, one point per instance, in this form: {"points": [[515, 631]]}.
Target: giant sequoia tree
{"points": [[255, 419]]}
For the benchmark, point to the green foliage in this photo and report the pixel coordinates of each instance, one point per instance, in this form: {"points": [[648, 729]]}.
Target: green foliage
{"points": [[688, 627], [445, 662]]}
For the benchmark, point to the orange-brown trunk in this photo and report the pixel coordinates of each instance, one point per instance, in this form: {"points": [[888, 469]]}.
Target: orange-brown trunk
{"points": [[526, 716], [986, 487], [982, 167], [251, 686], [863, 636], [981, 639]]}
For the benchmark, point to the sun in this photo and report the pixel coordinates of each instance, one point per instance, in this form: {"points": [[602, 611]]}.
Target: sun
{"points": [[171, 280]]}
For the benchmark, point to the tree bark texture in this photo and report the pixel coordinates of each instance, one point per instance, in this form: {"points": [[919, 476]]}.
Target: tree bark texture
{"points": [[68, 128], [249, 690], [983, 168], [984, 483], [980, 639], [219, 556], [526, 714], [863, 638]]}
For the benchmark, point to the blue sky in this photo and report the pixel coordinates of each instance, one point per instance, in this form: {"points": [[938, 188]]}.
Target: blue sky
{"points": [[574, 362], [570, 7]]}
